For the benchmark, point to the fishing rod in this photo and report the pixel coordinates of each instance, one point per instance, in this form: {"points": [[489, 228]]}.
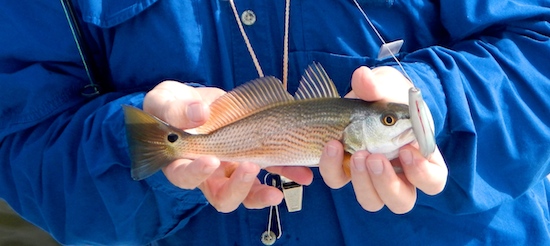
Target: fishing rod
{"points": [[92, 89]]}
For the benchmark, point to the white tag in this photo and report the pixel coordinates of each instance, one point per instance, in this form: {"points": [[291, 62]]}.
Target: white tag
{"points": [[389, 49], [293, 193]]}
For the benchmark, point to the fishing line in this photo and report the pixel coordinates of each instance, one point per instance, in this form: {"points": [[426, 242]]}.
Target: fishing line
{"points": [[420, 115], [385, 44]]}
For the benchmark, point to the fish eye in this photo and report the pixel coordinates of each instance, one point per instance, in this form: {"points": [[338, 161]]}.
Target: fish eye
{"points": [[172, 137], [389, 119]]}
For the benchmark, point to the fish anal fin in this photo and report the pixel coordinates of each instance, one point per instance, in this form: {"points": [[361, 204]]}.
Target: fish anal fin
{"points": [[244, 100], [316, 83]]}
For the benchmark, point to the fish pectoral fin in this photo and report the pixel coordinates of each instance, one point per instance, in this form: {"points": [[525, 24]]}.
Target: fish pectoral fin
{"points": [[243, 101], [316, 83], [150, 140]]}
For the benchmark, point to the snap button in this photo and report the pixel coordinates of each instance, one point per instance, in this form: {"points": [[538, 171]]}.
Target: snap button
{"points": [[268, 238], [248, 17]]}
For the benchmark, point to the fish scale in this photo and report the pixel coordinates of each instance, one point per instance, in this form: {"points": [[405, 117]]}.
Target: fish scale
{"points": [[261, 123], [283, 135]]}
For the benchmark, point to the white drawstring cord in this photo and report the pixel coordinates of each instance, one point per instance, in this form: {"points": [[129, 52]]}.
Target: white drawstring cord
{"points": [[251, 50], [285, 44]]}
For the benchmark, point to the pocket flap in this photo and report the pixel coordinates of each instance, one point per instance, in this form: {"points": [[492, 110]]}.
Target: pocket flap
{"points": [[109, 13]]}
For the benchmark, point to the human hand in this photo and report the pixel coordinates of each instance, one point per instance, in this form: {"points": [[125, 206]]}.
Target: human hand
{"points": [[373, 177], [225, 185]]}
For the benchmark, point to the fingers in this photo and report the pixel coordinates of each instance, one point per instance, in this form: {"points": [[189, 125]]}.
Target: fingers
{"points": [[180, 105], [261, 196], [226, 194], [365, 191], [429, 175], [330, 165], [300, 175], [376, 184], [188, 174]]}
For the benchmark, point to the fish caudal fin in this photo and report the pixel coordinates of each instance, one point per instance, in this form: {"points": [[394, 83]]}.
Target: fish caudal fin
{"points": [[152, 142]]}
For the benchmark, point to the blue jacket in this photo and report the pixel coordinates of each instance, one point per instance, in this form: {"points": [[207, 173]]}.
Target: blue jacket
{"points": [[482, 66]]}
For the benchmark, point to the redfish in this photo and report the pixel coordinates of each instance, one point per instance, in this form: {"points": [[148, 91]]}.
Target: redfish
{"points": [[261, 122]]}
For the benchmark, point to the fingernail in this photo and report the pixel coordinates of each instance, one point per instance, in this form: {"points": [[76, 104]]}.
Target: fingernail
{"points": [[359, 163], [195, 112], [406, 157], [248, 177], [376, 166], [331, 151]]}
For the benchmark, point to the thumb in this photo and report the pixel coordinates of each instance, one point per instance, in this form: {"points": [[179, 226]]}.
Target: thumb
{"points": [[178, 104], [381, 83]]}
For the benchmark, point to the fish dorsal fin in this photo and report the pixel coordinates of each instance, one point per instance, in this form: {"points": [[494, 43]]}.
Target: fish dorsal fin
{"points": [[315, 83], [243, 101]]}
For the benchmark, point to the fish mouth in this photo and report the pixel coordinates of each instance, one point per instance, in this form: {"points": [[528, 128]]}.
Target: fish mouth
{"points": [[404, 138]]}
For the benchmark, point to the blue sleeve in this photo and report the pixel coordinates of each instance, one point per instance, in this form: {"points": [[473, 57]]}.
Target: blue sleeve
{"points": [[488, 92], [72, 170], [63, 157]]}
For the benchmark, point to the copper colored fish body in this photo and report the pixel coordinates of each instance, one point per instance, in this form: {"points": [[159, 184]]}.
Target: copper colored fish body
{"points": [[260, 122]]}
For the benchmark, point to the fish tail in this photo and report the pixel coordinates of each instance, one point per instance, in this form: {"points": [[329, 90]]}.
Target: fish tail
{"points": [[152, 142]]}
